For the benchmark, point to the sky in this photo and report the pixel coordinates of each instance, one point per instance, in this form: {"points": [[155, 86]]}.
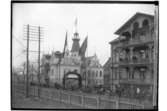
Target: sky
{"points": [[98, 21]]}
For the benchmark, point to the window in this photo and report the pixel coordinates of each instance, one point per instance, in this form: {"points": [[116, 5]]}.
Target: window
{"points": [[52, 71], [96, 74], [85, 75], [152, 32], [135, 30], [100, 73], [136, 25], [145, 23], [145, 26], [117, 57], [64, 71], [143, 54], [142, 73], [92, 73], [88, 73], [132, 75]]}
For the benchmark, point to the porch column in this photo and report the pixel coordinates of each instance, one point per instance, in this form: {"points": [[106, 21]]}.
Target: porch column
{"points": [[131, 53], [119, 51], [150, 52], [131, 91], [131, 71]]}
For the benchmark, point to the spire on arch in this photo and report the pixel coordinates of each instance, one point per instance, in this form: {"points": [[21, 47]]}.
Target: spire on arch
{"points": [[76, 24], [76, 34]]}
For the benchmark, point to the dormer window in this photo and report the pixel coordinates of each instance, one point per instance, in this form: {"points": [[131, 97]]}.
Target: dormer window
{"points": [[135, 29], [126, 36], [136, 25], [145, 23]]}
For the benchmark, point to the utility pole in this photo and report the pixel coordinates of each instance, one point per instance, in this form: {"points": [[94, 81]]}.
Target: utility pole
{"points": [[112, 67], [33, 33], [39, 50], [27, 61], [155, 79]]}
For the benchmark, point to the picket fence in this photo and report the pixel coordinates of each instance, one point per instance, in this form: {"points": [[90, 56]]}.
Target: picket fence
{"points": [[81, 99]]}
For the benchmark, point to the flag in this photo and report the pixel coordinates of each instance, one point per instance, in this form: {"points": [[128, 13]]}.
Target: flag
{"points": [[65, 45], [82, 50]]}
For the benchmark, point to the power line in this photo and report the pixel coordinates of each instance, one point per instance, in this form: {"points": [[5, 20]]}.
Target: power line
{"points": [[18, 55], [19, 41], [36, 37]]}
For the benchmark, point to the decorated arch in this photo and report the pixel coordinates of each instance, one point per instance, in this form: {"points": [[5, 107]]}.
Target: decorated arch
{"points": [[72, 80]]}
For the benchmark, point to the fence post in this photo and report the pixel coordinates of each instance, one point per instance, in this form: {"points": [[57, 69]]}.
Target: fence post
{"points": [[37, 92], [69, 98], [60, 95], [34, 91], [98, 102], [82, 99], [49, 93], [117, 104], [143, 106]]}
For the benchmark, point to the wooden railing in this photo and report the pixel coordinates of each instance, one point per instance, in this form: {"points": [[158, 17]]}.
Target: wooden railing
{"points": [[135, 41]]}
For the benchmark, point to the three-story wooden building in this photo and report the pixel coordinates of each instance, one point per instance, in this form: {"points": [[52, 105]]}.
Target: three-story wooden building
{"points": [[132, 57]]}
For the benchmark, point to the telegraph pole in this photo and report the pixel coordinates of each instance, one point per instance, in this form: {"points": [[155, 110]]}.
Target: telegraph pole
{"points": [[27, 61], [33, 33], [39, 50], [112, 68]]}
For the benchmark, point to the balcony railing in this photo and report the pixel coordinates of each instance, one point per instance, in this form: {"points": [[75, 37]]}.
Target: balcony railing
{"points": [[134, 60], [124, 61], [145, 40], [136, 81], [140, 60], [135, 41]]}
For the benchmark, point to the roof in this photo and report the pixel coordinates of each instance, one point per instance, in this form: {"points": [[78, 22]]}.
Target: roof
{"points": [[114, 41], [75, 45], [107, 62], [92, 61], [126, 24]]}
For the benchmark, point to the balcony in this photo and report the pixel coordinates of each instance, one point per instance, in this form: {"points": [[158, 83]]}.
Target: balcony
{"points": [[125, 61], [139, 41], [134, 61], [142, 40], [139, 61], [136, 81]]}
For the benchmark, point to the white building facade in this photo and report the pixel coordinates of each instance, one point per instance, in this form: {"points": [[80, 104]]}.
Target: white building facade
{"points": [[60, 66], [72, 60], [95, 76]]}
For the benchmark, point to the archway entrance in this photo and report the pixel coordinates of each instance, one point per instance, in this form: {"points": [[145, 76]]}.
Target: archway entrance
{"points": [[72, 80]]}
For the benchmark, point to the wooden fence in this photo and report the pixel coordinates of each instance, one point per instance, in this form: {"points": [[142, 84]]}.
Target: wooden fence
{"points": [[82, 99]]}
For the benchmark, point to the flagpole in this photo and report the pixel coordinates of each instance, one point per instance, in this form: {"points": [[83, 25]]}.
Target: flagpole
{"points": [[84, 53]]}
